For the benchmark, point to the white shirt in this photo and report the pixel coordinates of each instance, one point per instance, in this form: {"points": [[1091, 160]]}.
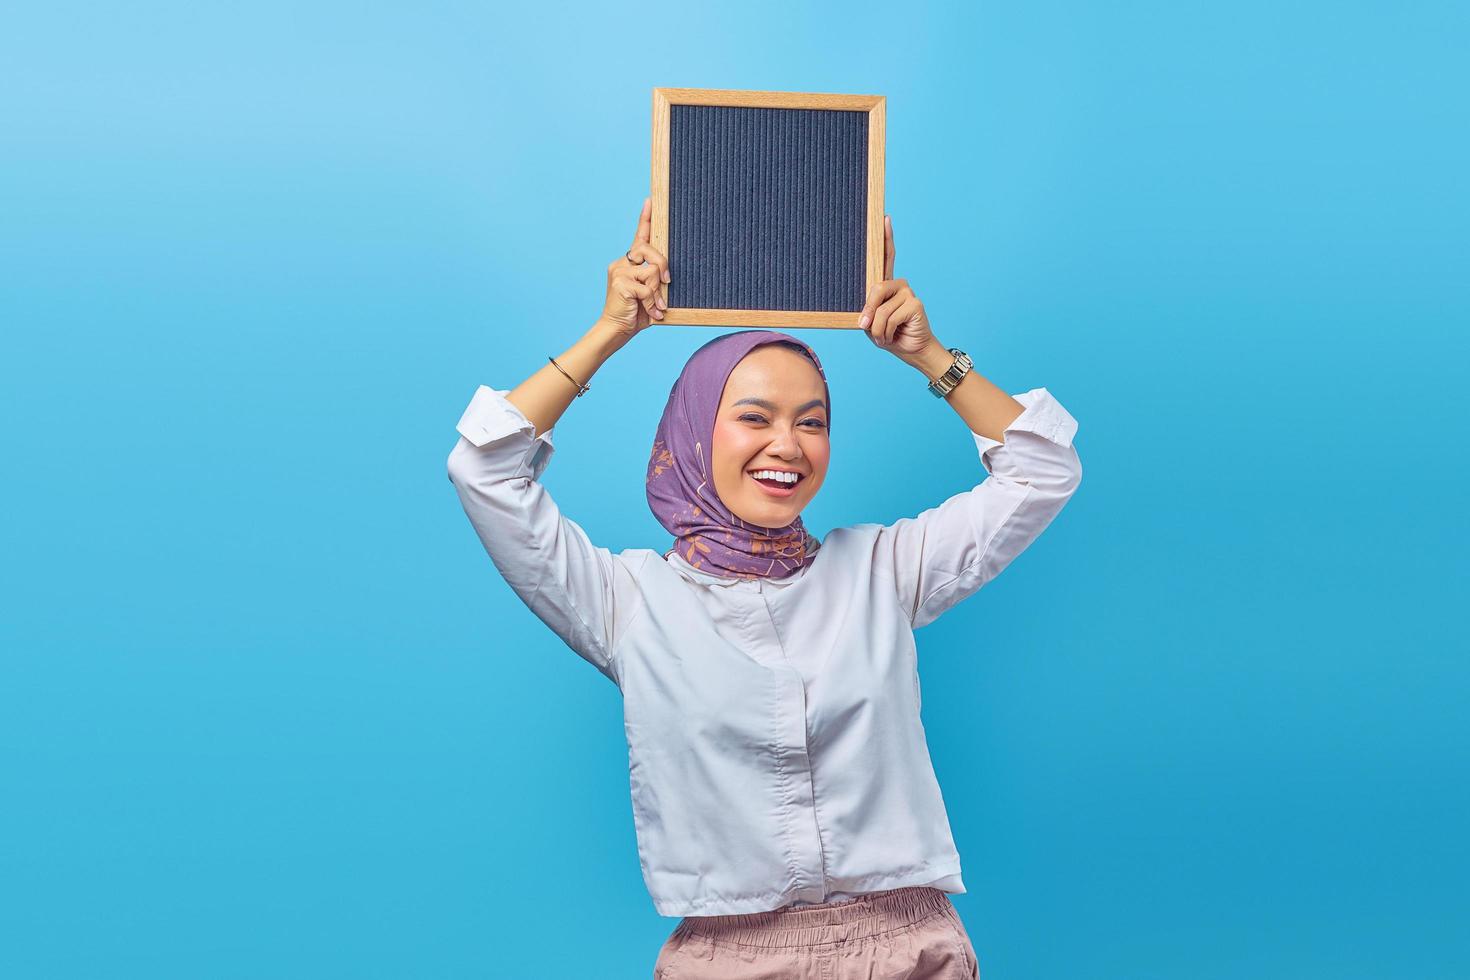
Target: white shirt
{"points": [[775, 749]]}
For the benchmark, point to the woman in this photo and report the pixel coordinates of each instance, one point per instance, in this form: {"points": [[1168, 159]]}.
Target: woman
{"points": [[783, 797]]}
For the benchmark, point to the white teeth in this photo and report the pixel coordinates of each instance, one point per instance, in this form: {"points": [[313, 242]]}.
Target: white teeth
{"points": [[774, 475]]}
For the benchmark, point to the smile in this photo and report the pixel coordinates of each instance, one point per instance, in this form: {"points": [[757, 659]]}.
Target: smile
{"points": [[771, 489]]}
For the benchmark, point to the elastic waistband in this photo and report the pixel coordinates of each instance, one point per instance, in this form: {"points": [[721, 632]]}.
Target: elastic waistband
{"points": [[807, 925]]}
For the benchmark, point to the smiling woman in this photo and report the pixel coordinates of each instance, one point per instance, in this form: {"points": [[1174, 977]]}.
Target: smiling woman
{"points": [[783, 797], [771, 443], [749, 412]]}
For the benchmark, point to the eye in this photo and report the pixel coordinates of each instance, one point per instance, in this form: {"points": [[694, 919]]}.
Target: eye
{"points": [[816, 424]]}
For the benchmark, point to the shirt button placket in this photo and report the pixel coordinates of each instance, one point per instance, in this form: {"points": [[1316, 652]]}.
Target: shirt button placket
{"points": [[802, 820]]}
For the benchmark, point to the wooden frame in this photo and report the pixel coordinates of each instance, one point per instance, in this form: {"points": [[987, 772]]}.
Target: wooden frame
{"points": [[874, 105]]}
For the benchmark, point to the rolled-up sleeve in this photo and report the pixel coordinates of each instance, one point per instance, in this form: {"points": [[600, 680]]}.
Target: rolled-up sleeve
{"points": [[948, 552], [585, 593]]}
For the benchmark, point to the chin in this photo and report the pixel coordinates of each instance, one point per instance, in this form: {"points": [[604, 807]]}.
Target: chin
{"points": [[768, 516]]}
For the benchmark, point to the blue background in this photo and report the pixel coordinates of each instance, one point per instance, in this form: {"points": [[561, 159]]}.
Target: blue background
{"points": [[266, 708]]}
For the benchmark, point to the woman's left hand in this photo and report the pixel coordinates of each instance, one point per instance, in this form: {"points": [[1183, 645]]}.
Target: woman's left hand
{"points": [[893, 316]]}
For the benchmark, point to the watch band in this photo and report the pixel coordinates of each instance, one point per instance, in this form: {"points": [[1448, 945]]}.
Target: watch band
{"points": [[947, 381]]}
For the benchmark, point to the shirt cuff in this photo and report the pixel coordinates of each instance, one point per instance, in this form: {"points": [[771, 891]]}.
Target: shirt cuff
{"points": [[1041, 414], [491, 417]]}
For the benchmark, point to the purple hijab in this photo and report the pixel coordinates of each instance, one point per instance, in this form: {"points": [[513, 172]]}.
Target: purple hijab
{"points": [[681, 489]]}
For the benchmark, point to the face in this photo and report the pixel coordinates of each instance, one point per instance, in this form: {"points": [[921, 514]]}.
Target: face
{"points": [[772, 417]]}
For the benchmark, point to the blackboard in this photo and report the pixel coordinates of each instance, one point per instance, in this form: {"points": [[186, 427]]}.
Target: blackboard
{"points": [[769, 205]]}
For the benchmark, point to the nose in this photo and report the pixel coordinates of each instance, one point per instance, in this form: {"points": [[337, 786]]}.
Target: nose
{"points": [[785, 446]]}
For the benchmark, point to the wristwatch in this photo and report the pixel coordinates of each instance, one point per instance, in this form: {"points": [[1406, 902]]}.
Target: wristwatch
{"points": [[946, 382]]}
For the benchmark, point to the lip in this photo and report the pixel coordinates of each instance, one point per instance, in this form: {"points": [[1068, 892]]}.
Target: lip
{"points": [[772, 491]]}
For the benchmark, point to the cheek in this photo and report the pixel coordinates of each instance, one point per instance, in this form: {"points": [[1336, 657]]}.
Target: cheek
{"points": [[819, 454], [732, 447]]}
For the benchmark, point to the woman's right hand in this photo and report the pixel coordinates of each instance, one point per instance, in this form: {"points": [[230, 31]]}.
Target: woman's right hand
{"points": [[635, 291]]}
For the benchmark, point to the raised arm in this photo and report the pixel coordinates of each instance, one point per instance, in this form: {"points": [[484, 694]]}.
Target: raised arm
{"points": [[948, 552], [584, 593]]}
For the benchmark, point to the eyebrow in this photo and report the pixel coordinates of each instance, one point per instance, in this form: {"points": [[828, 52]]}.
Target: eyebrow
{"points": [[814, 403]]}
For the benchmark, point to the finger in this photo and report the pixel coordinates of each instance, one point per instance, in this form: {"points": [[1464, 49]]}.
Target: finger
{"points": [[649, 276], [876, 295], [906, 312], [879, 294], [645, 222], [883, 314], [652, 256], [643, 293], [647, 294], [890, 250]]}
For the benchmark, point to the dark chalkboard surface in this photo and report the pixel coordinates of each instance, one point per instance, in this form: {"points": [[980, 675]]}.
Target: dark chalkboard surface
{"points": [[769, 205]]}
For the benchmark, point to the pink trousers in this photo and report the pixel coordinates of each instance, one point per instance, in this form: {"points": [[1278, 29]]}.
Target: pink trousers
{"points": [[909, 933]]}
